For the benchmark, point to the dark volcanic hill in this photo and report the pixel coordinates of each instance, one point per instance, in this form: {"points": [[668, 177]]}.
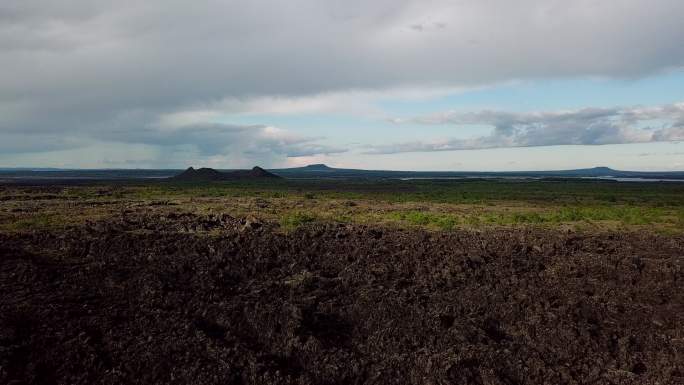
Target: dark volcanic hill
{"points": [[209, 174], [202, 174], [255, 172]]}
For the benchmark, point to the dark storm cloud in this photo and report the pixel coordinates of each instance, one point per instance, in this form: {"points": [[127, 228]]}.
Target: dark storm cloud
{"points": [[589, 126], [85, 67]]}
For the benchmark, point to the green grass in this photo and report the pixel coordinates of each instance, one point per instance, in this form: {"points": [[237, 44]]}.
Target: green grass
{"points": [[441, 205], [291, 221], [478, 192], [419, 218], [680, 217], [451, 192], [626, 216], [38, 221]]}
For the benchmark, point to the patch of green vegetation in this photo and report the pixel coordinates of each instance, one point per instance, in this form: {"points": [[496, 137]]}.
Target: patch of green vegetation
{"points": [[275, 194], [421, 218], [291, 221], [629, 216], [434, 204], [623, 214], [343, 218], [543, 192], [37, 221], [680, 218]]}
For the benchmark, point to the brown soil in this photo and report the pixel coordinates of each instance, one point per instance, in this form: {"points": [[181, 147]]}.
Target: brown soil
{"points": [[214, 300]]}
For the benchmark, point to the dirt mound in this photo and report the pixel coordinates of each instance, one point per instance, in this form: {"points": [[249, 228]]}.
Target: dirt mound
{"points": [[183, 299], [209, 174]]}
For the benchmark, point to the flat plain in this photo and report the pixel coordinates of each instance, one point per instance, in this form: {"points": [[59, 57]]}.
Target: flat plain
{"points": [[430, 204], [342, 281]]}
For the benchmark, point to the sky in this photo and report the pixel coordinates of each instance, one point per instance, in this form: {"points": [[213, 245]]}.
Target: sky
{"points": [[374, 84]]}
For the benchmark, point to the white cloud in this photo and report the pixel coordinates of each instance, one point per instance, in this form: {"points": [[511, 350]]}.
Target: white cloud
{"points": [[589, 126], [124, 70], [349, 102], [120, 55]]}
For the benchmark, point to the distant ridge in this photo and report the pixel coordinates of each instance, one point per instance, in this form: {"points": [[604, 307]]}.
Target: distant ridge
{"points": [[209, 174], [318, 167], [324, 171], [320, 171]]}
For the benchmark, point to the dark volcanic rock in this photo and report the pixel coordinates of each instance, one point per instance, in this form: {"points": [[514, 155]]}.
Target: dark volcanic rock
{"points": [[209, 174], [154, 300]]}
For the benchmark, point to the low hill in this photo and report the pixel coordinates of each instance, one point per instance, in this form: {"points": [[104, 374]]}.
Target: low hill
{"points": [[322, 171], [314, 171], [209, 174]]}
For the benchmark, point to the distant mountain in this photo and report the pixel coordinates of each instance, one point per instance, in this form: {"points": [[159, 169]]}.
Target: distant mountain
{"points": [[255, 172], [323, 171], [586, 172], [314, 171], [202, 174], [209, 174], [318, 167]]}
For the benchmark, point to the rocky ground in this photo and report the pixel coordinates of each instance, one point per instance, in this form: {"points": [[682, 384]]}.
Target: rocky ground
{"points": [[188, 299]]}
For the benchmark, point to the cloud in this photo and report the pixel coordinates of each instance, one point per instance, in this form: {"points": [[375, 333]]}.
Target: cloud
{"points": [[348, 102], [212, 139], [660, 154], [95, 69], [13, 144], [174, 145], [588, 126], [126, 54]]}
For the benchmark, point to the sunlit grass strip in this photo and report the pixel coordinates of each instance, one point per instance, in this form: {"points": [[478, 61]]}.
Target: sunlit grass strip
{"points": [[623, 215]]}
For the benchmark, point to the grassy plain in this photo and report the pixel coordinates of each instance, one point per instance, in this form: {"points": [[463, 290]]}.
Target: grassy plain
{"points": [[437, 205]]}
